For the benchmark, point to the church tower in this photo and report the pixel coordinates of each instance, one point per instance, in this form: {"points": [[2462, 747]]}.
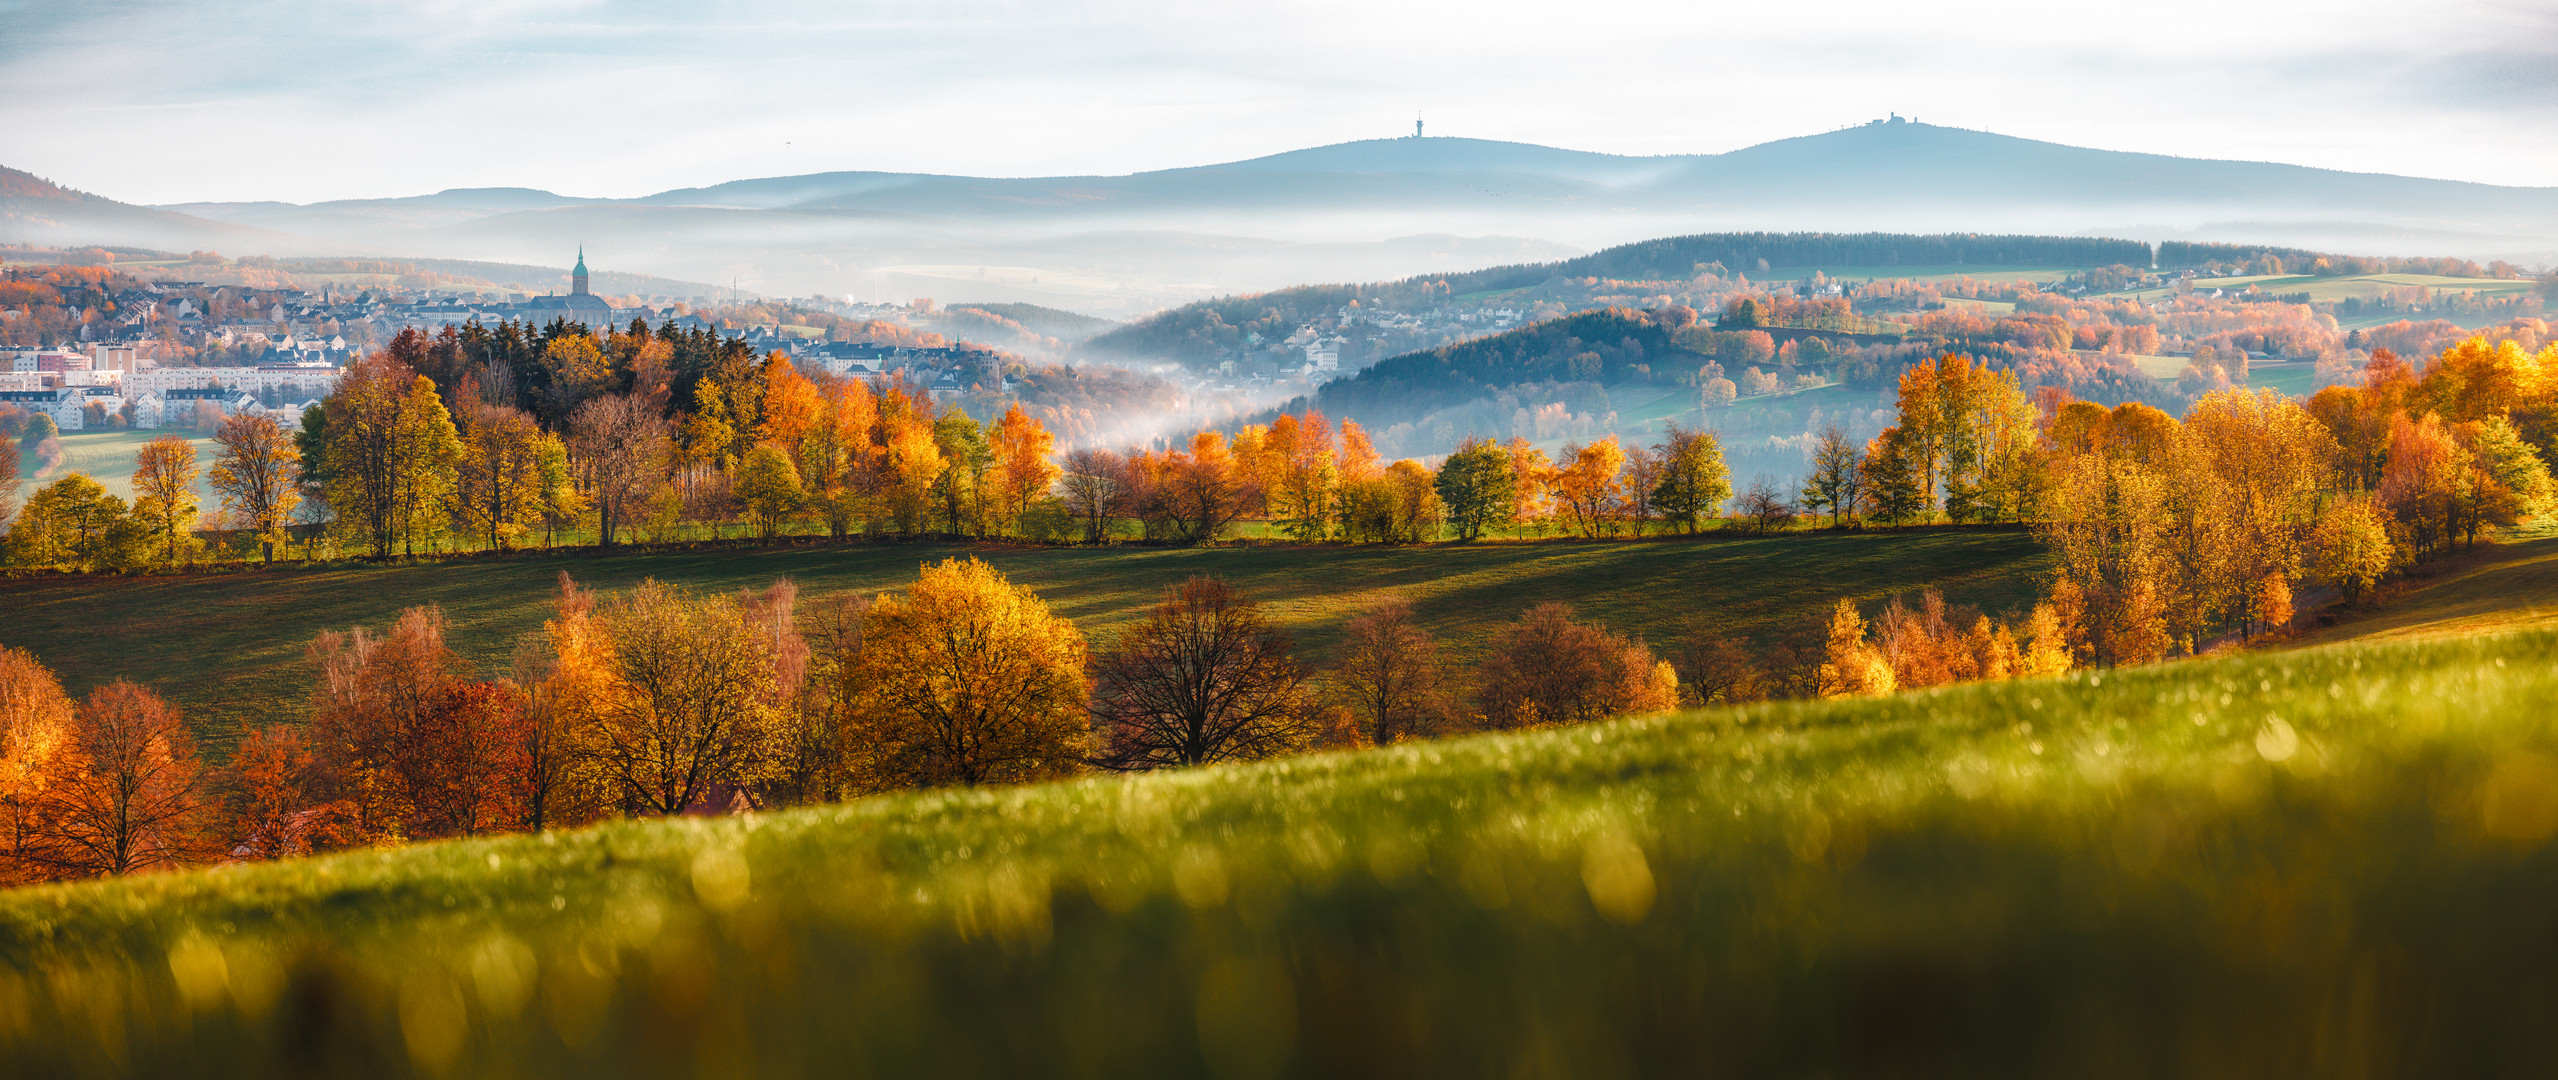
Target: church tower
{"points": [[577, 277]]}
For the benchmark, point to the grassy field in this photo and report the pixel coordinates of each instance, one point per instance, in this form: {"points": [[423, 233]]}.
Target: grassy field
{"points": [[229, 647], [2330, 862], [2045, 274], [2358, 286], [107, 456], [2509, 587]]}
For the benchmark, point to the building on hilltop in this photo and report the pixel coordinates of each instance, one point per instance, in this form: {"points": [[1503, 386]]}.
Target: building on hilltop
{"points": [[580, 305]]}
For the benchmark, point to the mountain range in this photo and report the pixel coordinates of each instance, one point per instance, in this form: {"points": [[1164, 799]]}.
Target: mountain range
{"points": [[1367, 210]]}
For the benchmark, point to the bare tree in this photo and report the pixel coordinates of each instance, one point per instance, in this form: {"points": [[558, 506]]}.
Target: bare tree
{"points": [[1714, 669], [622, 447], [1837, 481], [1392, 676], [1096, 486], [1204, 678], [1764, 507]]}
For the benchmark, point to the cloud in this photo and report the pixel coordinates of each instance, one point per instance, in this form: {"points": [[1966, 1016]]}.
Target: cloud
{"points": [[300, 99]]}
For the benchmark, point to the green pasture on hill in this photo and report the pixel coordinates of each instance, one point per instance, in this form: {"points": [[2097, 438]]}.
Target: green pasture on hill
{"points": [[107, 456], [2355, 286], [1928, 274], [229, 647], [2502, 588], [2335, 862]]}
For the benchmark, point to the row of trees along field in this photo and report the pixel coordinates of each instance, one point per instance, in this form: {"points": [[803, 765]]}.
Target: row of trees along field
{"points": [[392, 472], [659, 701]]}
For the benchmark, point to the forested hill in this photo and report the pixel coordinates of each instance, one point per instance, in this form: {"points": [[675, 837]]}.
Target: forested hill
{"points": [[1609, 347], [1196, 332], [1684, 256]]}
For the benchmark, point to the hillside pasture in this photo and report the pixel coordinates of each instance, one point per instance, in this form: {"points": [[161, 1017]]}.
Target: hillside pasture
{"points": [[2504, 587], [2328, 862], [1921, 274], [107, 457], [229, 647]]}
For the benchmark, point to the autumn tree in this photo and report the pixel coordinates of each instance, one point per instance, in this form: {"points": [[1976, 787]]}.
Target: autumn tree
{"points": [[1417, 513], [1640, 480], [1304, 474], [968, 679], [9, 482], [622, 449], [371, 709], [1392, 676], [687, 709], [390, 453], [1476, 486], [568, 671], [1892, 482], [1589, 487], [1851, 666], [1192, 495], [74, 520], [35, 732], [768, 483], [1549, 669], [1203, 678], [257, 474], [267, 806], [837, 460], [2350, 548], [164, 472], [497, 489], [2110, 532], [1532, 476], [913, 460], [1695, 482], [962, 491], [128, 794], [1024, 472]]}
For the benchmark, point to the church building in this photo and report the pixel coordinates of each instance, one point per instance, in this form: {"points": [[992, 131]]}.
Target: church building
{"points": [[580, 305]]}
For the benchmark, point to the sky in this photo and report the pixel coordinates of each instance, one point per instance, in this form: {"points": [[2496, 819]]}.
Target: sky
{"points": [[306, 100]]}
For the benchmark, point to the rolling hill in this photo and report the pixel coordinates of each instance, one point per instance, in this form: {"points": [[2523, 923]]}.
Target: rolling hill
{"points": [[2327, 862], [1370, 210]]}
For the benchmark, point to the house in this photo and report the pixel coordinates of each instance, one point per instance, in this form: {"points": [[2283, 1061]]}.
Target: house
{"points": [[67, 405]]}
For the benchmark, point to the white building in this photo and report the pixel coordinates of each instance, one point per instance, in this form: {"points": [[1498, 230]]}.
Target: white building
{"points": [[298, 381], [67, 405]]}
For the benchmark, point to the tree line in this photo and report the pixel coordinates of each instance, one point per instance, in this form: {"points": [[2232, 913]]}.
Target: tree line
{"points": [[662, 701]]}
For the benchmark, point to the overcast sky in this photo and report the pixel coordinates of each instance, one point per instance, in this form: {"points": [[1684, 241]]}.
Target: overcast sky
{"points": [[316, 99]]}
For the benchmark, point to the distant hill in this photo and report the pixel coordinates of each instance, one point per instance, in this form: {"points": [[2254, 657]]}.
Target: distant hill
{"points": [[1065, 326], [1197, 332], [1612, 347], [1353, 211], [34, 210]]}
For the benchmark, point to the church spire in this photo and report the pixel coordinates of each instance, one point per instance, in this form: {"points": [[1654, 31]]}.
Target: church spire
{"points": [[577, 277]]}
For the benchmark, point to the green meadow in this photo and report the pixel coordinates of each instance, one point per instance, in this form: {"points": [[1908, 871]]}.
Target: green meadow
{"points": [[229, 647], [2327, 862], [107, 457]]}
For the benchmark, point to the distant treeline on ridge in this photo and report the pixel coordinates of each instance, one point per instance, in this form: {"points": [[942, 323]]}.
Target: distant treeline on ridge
{"points": [[1191, 331]]}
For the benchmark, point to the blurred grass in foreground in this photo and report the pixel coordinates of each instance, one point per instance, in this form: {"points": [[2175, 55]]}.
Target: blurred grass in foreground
{"points": [[2328, 862]]}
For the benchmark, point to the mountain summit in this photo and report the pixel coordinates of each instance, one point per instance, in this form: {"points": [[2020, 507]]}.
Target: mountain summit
{"points": [[1362, 210]]}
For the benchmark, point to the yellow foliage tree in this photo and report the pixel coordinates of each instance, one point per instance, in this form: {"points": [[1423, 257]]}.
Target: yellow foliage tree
{"points": [[967, 679]]}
